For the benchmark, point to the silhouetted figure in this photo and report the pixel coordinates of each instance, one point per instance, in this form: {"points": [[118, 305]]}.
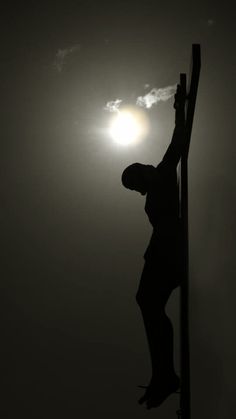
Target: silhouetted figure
{"points": [[163, 257]]}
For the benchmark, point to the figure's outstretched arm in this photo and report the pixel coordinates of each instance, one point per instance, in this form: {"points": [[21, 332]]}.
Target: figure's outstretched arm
{"points": [[175, 149]]}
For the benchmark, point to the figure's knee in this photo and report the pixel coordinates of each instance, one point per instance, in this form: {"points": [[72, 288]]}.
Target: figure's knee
{"points": [[150, 304], [138, 298], [141, 299]]}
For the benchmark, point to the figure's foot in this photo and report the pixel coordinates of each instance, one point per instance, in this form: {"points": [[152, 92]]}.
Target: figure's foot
{"points": [[146, 395], [159, 393]]}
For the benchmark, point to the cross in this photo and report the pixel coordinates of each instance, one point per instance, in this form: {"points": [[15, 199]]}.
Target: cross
{"points": [[191, 90]]}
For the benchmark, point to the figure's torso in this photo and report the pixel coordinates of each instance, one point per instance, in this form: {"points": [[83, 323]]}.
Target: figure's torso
{"points": [[162, 208], [162, 201]]}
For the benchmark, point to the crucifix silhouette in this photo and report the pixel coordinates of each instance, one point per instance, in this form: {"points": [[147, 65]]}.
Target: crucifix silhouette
{"points": [[185, 408], [166, 258]]}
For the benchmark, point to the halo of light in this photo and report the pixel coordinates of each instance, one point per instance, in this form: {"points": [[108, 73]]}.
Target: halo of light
{"points": [[128, 126]]}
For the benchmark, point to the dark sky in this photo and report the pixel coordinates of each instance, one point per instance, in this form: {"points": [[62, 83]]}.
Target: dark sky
{"points": [[73, 239]]}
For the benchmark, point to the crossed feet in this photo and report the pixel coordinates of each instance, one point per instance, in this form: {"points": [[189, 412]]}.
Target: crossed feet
{"points": [[157, 393]]}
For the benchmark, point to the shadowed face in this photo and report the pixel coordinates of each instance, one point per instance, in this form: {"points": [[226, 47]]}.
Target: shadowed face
{"points": [[135, 177]]}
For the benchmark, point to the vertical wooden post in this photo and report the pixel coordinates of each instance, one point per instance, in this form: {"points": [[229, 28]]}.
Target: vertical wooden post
{"points": [[185, 401]]}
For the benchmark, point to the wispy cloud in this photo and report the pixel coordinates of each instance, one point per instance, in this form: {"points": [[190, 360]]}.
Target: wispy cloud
{"points": [[61, 56], [113, 105], [148, 100], [155, 96]]}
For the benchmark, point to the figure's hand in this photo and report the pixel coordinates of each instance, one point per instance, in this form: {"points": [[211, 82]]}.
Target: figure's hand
{"points": [[180, 98]]}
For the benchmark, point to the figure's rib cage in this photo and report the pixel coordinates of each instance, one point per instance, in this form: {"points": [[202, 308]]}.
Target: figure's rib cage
{"points": [[185, 409]]}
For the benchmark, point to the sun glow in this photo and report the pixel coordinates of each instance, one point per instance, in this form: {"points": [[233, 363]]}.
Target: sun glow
{"points": [[128, 126]]}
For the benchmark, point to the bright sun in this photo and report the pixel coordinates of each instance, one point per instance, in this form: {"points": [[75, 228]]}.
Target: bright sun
{"points": [[128, 126]]}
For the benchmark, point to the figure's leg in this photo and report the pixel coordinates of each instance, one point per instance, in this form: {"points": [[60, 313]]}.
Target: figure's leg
{"points": [[152, 300], [159, 331]]}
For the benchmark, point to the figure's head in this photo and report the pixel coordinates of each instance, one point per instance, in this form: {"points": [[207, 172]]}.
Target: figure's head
{"points": [[137, 177]]}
